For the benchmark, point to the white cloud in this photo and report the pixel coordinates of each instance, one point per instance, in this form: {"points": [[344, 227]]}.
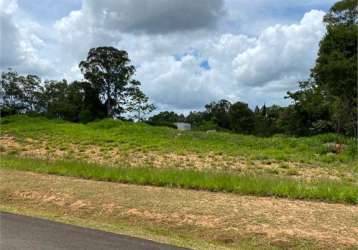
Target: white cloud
{"points": [[281, 51], [178, 84], [8, 6], [20, 43], [257, 70]]}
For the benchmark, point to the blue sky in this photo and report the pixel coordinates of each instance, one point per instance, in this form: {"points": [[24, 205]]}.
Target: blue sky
{"points": [[48, 11], [189, 52]]}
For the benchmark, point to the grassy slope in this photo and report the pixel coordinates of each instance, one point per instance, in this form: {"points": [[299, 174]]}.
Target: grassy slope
{"points": [[141, 137], [260, 185]]}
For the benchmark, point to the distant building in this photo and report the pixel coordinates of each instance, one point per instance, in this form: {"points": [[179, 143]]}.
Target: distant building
{"points": [[183, 125]]}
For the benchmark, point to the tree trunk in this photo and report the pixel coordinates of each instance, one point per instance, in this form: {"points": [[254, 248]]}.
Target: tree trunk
{"points": [[109, 108], [109, 102]]}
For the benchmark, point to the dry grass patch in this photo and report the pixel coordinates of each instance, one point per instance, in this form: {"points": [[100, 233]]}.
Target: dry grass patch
{"points": [[97, 154]]}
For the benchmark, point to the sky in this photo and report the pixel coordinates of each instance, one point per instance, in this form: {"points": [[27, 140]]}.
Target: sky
{"points": [[187, 53]]}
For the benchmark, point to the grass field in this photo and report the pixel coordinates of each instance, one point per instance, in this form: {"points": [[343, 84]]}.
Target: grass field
{"points": [[304, 168], [319, 168], [137, 138]]}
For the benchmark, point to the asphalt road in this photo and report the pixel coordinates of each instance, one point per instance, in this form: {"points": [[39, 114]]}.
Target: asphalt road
{"points": [[22, 232]]}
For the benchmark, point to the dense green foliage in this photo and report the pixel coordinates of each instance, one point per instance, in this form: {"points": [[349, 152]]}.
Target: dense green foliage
{"points": [[110, 74], [326, 190], [109, 91], [328, 101], [142, 137]]}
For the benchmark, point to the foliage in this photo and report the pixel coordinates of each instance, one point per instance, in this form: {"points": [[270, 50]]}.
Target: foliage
{"points": [[167, 116], [138, 105], [219, 113], [241, 118], [110, 74], [73, 102], [109, 91], [342, 12], [328, 101], [20, 94]]}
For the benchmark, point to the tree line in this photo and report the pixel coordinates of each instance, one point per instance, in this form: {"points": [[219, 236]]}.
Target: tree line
{"points": [[326, 102], [107, 91]]}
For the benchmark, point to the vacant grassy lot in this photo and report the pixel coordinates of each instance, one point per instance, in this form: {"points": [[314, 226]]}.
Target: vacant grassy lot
{"points": [[319, 168]]}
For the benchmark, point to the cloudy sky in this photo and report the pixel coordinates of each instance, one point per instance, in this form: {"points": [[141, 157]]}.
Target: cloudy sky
{"points": [[187, 53]]}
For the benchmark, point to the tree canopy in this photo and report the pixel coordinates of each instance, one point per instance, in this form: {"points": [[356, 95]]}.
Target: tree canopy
{"points": [[110, 73]]}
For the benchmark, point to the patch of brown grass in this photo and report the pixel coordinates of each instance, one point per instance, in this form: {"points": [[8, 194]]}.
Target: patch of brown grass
{"points": [[132, 158]]}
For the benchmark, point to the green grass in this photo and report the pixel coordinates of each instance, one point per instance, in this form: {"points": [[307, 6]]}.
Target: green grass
{"points": [[260, 185], [128, 136]]}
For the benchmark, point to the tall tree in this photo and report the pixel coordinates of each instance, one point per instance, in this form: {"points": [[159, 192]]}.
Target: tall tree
{"points": [[335, 72], [109, 71]]}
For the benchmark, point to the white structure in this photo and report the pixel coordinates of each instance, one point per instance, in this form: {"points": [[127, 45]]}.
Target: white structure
{"points": [[183, 125]]}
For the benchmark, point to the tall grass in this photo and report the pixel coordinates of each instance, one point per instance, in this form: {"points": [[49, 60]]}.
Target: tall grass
{"points": [[260, 185]]}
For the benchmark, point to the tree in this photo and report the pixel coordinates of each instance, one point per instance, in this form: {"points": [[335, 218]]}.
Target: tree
{"points": [[241, 118], [166, 117], [335, 72], [328, 100], [310, 113], [76, 102], [195, 118], [55, 98], [219, 113], [109, 72], [20, 94], [266, 120], [343, 12], [138, 103]]}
